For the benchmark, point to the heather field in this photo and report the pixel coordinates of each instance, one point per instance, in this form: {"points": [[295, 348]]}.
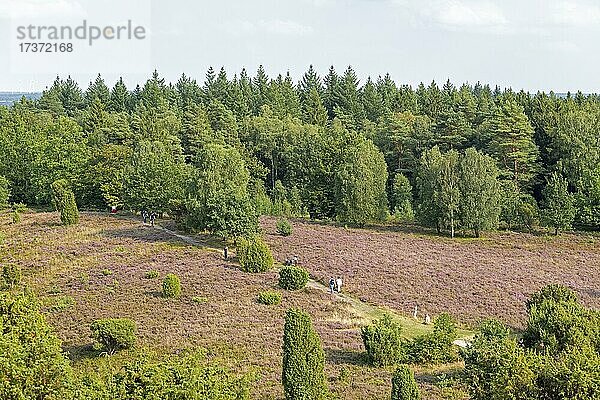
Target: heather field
{"points": [[97, 269], [470, 278]]}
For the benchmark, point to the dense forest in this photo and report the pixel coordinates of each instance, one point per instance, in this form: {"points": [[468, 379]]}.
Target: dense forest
{"points": [[217, 154]]}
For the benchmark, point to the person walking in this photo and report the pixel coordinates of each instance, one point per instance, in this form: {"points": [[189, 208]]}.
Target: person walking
{"points": [[152, 218], [145, 216], [225, 252], [331, 285], [338, 284]]}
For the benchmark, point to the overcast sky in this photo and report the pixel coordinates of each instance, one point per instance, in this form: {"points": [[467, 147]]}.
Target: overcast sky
{"points": [[529, 44]]}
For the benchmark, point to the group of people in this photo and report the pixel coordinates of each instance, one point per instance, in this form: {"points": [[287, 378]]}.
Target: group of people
{"points": [[335, 285], [291, 261], [149, 216]]}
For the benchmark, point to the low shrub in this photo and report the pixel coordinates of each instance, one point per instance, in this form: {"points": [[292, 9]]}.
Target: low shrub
{"points": [[171, 286], [199, 300], [32, 362], [284, 227], [383, 342], [404, 386], [11, 276], [269, 297], [151, 274], [435, 347], [113, 334], [61, 303], [106, 272], [189, 376], [293, 278], [254, 255]]}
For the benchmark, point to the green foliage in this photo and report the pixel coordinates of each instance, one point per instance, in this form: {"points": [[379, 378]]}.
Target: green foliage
{"points": [[218, 199], [303, 374], [402, 197], [151, 274], [190, 376], [559, 209], [4, 192], [383, 342], [32, 365], [61, 303], [404, 386], [360, 184], [64, 201], [480, 197], [269, 297], [284, 227], [293, 277], [113, 334], [171, 286], [153, 177], [11, 276], [435, 347], [558, 358], [254, 254]]}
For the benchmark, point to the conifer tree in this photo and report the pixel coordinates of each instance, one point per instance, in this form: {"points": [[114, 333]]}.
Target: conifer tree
{"points": [[303, 374]]}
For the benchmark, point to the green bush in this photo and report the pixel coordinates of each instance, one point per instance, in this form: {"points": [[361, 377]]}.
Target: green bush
{"points": [[151, 274], [112, 334], [32, 364], [404, 386], [4, 192], [284, 227], [436, 347], [254, 255], [293, 278], [383, 342], [64, 201], [556, 293], [11, 276], [60, 304], [303, 374], [191, 376], [171, 286], [269, 297]]}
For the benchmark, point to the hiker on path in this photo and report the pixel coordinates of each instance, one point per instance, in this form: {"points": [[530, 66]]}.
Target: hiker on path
{"points": [[331, 285], [225, 252], [145, 216], [152, 218], [338, 284]]}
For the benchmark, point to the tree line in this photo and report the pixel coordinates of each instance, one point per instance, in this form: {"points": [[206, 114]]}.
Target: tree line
{"points": [[217, 154]]}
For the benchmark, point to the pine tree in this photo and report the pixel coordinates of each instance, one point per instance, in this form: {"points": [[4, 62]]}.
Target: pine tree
{"points": [[99, 90], [511, 143], [260, 89], [119, 97], [559, 211], [303, 374]]}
